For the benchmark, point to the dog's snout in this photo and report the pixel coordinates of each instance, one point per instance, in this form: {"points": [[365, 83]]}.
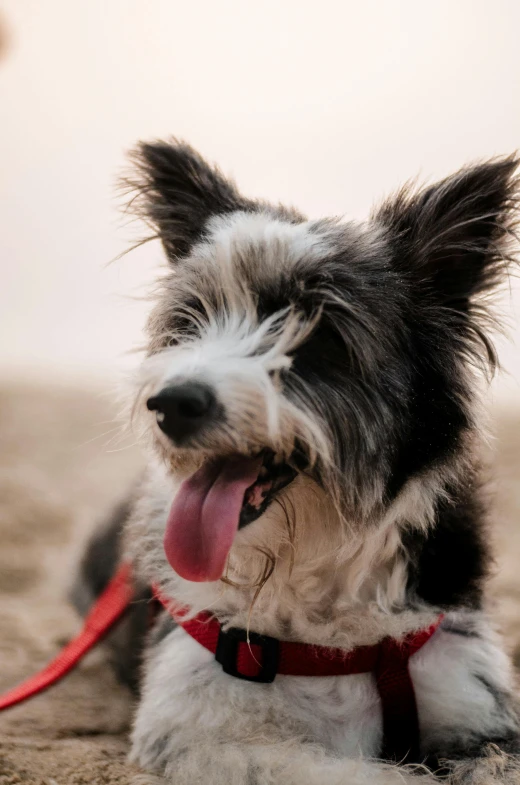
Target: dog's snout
{"points": [[184, 409]]}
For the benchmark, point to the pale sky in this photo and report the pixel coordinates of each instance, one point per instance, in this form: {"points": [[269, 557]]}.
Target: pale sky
{"points": [[326, 105]]}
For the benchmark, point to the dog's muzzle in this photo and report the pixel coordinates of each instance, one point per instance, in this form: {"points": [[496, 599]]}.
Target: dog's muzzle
{"points": [[184, 410]]}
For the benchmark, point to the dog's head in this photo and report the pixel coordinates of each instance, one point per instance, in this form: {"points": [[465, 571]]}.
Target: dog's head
{"points": [[320, 364]]}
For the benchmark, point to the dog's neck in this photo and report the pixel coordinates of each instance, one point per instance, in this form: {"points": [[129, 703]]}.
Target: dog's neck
{"points": [[304, 577]]}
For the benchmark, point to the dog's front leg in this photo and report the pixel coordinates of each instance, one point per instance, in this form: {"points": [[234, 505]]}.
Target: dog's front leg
{"points": [[276, 764]]}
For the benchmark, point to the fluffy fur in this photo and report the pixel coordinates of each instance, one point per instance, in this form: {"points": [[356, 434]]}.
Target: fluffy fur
{"points": [[352, 352]]}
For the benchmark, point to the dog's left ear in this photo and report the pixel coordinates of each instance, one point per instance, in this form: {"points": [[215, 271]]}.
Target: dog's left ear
{"points": [[451, 239], [177, 192]]}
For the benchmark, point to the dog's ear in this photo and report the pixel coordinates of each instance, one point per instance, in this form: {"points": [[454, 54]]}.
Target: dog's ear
{"points": [[452, 239], [176, 191]]}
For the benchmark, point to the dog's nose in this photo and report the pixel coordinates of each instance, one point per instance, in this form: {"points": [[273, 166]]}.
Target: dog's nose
{"points": [[184, 409]]}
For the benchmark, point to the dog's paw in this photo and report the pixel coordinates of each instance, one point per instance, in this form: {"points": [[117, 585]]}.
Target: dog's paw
{"points": [[493, 767], [148, 779]]}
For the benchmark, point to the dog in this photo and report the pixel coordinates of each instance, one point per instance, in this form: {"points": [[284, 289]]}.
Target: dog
{"points": [[309, 411]]}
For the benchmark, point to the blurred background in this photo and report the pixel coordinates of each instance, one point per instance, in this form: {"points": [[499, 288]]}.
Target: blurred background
{"points": [[326, 105]]}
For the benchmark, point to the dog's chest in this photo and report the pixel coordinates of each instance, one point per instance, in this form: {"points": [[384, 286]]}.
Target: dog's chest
{"points": [[185, 688]]}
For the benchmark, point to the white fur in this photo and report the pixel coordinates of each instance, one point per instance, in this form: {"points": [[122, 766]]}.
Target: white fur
{"points": [[453, 701], [191, 708], [282, 245]]}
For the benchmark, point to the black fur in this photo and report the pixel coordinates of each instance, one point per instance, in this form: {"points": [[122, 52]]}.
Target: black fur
{"points": [[98, 565], [449, 562], [181, 193], [102, 555], [449, 246]]}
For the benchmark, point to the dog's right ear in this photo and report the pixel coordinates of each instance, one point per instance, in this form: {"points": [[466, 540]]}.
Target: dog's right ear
{"points": [[178, 192]]}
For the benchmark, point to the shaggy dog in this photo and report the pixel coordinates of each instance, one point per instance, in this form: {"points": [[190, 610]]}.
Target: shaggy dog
{"points": [[308, 405]]}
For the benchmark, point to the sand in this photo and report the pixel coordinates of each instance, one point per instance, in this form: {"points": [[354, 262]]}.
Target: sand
{"points": [[62, 465]]}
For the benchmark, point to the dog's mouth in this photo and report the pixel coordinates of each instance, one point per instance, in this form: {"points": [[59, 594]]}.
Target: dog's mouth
{"points": [[221, 497]]}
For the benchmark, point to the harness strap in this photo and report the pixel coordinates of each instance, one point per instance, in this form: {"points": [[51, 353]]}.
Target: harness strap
{"points": [[260, 658], [401, 738]]}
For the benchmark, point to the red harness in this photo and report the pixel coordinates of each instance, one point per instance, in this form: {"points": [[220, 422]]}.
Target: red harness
{"points": [[259, 658]]}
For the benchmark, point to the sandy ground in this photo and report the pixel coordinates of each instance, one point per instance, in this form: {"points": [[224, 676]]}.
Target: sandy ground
{"points": [[61, 467]]}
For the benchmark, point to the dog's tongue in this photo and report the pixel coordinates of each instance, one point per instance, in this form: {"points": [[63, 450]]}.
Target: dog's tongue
{"points": [[204, 517]]}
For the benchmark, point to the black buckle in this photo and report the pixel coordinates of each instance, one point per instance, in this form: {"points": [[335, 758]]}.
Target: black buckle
{"points": [[227, 654]]}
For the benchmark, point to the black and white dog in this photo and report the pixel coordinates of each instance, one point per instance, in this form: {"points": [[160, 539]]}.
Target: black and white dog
{"points": [[309, 409]]}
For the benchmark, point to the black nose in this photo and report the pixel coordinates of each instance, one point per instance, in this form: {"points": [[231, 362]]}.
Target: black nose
{"points": [[184, 409]]}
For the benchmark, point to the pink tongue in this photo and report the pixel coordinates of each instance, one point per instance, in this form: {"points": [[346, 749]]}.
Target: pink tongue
{"points": [[204, 517]]}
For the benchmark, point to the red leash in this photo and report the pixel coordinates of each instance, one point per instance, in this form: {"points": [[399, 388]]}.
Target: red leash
{"points": [[259, 658], [110, 605]]}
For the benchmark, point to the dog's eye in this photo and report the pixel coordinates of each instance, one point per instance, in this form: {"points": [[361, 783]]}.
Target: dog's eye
{"points": [[185, 321], [192, 310], [324, 352]]}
